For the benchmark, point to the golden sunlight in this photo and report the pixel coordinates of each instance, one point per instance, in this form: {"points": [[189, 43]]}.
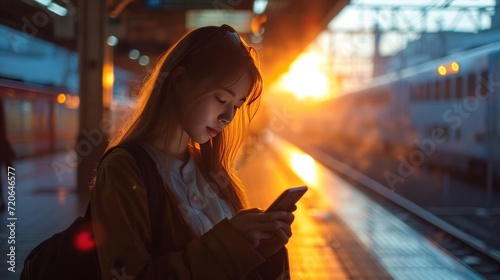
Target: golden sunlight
{"points": [[304, 166], [305, 78]]}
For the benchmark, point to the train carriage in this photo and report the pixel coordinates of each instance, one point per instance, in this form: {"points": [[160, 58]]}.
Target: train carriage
{"points": [[446, 110]]}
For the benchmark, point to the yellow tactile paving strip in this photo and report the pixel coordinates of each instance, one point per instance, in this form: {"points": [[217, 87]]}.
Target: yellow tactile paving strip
{"points": [[311, 256]]}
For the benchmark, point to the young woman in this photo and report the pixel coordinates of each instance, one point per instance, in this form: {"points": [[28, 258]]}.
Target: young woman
{"points": [[191, 118]]}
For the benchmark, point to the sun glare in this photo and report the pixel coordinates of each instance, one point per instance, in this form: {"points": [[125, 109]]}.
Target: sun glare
{"points": [[305, 78], [304, 166]]}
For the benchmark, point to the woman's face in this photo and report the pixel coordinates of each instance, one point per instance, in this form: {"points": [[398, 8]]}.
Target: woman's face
{"points": [[204, 114]]}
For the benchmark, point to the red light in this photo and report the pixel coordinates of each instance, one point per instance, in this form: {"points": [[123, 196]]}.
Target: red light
{"points": [[84, 241]]}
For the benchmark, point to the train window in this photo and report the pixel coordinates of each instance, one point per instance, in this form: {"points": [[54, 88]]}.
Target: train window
{"points": [[483, 84], [447, 89], [458, 135], [458, 87], [480, 137], [413, 93], [418, 96], [428, 92], [416, 93], [39, 123], [446, 132], [25, 124], [26, 107], [471, 79], [421, 92], [13, 116], [437, 91]]}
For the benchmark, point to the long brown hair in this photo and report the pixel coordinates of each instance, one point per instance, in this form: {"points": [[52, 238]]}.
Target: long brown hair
{"points": [[220, 55]]}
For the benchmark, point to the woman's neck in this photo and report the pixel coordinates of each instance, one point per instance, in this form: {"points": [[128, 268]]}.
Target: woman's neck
{"points": [[177, 148]]}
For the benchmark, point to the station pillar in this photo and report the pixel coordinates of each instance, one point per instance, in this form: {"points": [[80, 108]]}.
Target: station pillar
{"points": [[92, 133]]}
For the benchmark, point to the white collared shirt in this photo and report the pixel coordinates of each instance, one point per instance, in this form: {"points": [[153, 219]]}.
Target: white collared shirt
{"points": [[200, 206]]}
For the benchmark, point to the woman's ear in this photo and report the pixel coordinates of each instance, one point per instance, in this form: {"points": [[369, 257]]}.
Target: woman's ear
{"points": [[178, 77]]}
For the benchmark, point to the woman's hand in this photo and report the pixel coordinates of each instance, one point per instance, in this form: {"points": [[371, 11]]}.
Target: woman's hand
{"points": [[267, 232]]}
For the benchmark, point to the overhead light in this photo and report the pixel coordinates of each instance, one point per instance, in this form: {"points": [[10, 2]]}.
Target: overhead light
{"points": [[238, 19], [112, 40], [44, 2], [61, 98], [256, 39], [259, 6], [442, 70], [144, 60], [134, 54], [57, 9]]}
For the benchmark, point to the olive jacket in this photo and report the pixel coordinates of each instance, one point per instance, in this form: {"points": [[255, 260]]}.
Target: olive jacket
{"points": [[123, 235]]}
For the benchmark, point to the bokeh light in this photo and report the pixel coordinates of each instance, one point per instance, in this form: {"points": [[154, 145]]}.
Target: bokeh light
{"points": [[112, 41], [134, 54], [442, 70], [61, 98], [84, 241]]}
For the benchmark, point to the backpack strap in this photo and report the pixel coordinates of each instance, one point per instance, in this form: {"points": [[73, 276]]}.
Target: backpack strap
{"points": [[154, 186]]}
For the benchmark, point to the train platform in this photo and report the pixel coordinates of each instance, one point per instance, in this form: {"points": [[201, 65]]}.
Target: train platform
{"points": [[338, 232]]}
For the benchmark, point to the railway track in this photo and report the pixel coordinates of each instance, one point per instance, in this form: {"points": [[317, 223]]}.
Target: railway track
{"points": [[465, 248]]}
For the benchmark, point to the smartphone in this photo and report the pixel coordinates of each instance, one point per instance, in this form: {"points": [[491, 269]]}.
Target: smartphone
{"points": [[287, 199]]}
